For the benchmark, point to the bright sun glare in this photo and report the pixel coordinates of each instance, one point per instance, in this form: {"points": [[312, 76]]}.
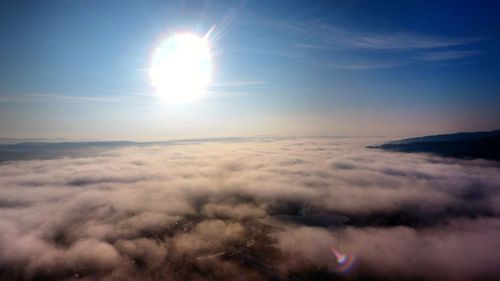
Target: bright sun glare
{"points": [[181, 68]]}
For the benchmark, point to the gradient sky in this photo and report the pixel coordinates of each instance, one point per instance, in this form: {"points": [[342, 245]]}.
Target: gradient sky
{"points": [[78, 69]]}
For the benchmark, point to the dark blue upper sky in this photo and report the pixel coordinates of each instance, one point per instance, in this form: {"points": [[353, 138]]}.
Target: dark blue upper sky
{"points": [[79, 69]]}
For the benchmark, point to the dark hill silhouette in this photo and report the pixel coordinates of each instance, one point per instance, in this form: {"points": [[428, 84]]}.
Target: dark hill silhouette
{"points": [[471, 145]]}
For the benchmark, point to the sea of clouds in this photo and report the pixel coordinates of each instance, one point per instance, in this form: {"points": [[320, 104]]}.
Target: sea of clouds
{"points": [[257, 209]]}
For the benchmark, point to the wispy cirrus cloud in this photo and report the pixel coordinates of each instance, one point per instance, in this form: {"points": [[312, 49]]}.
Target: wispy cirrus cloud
{"points": [[238, 83], [448, 55], [366, 65], [410, 59], [69, 98], [399, 48], [397, 41], [317, 35]]}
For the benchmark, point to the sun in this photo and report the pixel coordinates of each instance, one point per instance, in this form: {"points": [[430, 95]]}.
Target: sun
{"points": [[181, 68]]}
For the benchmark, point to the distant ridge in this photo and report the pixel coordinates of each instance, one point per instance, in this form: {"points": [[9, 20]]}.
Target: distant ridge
{"points": [[462, 136], [47, 149], [465, 145]]}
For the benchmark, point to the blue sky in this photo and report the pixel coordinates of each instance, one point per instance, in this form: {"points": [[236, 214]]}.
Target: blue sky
{"points": [[79, 69]]}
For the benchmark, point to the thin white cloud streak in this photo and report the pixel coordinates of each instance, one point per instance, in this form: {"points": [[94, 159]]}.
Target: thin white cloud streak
{"points": [[321, 36], [366, 65], [333, 36], [400, 41], [403, 41], [70, 98], [238, 83], [438, 56], [448, 55]]}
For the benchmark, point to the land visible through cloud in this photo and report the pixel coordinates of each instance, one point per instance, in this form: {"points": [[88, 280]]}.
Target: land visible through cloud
{"points": [[249, 209]]}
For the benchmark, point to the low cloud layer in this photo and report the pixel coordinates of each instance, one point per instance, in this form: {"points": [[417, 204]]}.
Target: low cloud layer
{"points": [[250, 210]]}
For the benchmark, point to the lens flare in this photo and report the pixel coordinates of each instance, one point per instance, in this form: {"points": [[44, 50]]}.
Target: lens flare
{"points": [[344, 261]]}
